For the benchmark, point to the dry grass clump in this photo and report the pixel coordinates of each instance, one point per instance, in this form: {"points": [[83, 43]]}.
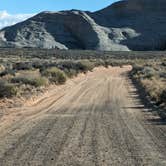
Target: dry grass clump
{"points": [[85, 65], [37, 82], [29, 77], [154, 88], [2, 68], [152, 77], [7, 90], [55, 75]]}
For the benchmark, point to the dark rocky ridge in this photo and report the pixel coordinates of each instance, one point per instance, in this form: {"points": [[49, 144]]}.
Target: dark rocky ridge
{"points": [[125, 25]]}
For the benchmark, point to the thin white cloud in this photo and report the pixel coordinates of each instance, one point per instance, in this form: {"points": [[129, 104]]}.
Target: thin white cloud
{"points": [[7, 19]]}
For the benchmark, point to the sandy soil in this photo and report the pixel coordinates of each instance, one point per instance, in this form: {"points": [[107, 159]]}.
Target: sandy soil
{"points": [[94, 120]]}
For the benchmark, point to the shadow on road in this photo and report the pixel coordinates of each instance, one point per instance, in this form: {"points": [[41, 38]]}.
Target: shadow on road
{"points": [[139, 96]]}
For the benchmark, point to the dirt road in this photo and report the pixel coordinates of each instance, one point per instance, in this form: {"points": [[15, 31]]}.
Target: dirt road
{"points": [[97, 120]]}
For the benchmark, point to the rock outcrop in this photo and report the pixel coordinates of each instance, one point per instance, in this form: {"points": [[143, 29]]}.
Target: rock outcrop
{"points": [[123, 26]]}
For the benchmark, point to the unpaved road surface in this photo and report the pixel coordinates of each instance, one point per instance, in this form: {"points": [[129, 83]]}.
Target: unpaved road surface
{"points": [[97, 121]]}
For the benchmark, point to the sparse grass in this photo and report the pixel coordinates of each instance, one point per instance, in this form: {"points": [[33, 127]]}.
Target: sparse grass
{"points": [[36, 67]]}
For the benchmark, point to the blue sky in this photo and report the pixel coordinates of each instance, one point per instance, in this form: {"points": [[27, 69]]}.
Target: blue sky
{"points": [[35, 6], [14, 11]]}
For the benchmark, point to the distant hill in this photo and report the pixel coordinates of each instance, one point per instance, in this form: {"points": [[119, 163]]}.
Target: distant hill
{"points": [[123, 26]]}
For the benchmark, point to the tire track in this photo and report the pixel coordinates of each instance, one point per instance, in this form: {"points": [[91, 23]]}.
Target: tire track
{"points": [[26, 139], [89, 124], [65, 139]]}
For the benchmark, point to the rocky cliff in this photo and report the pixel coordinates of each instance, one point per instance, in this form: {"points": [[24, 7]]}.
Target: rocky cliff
{"points": [[125, 25]]}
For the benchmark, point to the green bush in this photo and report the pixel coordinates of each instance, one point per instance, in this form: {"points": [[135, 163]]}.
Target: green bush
{"points": [[7, 90], [55, 75], [37, 82]]}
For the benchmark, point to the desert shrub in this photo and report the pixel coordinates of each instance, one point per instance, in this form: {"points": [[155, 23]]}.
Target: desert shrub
{"points": [[85, 65], [7, 90], [114, 62], [148, 72], [163, 64], [153, 88], [2, 68], [106, 64], [152, 77], [55, 75], [22, 66], [162, 74], [99, 62], [136, 68], [70, 72], [69, 67], [72, 68], [40, 81], [143, 72], [43, 64], [7, 72], [69, 64], [37, 82], [163, 97], [38, 64]]}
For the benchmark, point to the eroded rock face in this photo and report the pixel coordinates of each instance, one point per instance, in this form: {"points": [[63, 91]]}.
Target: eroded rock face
{"points": [[125, 25]]}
